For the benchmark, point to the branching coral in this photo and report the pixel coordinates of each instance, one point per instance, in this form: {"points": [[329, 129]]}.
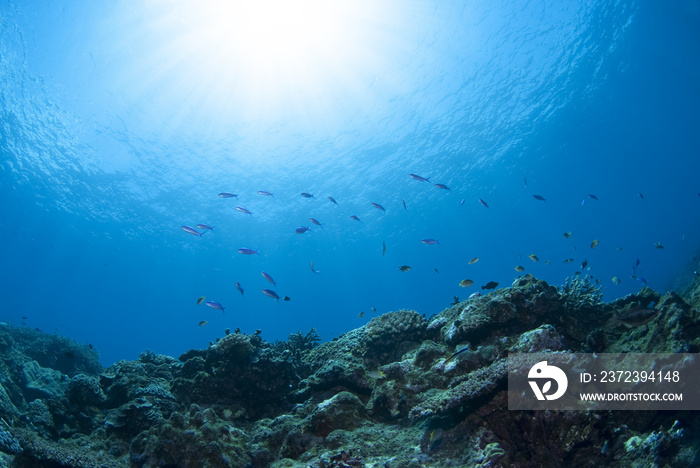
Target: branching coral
{"points": [[579, 292]]}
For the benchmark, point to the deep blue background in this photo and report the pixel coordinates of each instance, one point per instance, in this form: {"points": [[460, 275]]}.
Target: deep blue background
{"points": [[107, 148]]}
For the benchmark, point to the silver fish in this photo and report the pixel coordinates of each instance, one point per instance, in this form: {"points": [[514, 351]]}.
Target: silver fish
{"points": [[430, 241], [245, 251], [239, 287], [204, 226], [270, 293], [215, 305], [333, 201], [269, 278], [227, 195], [266, 193], [418, 178], [243, 210], [442, 186], [312, 268], [307, 195], [302, 229], [378, 206], [190, 230]]}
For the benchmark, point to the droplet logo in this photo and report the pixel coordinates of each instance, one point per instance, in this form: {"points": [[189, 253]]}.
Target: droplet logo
{"points": [[545, 374]]}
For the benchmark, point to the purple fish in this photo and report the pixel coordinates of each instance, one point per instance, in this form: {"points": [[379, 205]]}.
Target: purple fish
{"points": [[215, 305], [539, 197], [307, 195], [266, 193], [333, 201], [269, 278], [240, 289], [483, 202], [243, 210], [271, 293], [590, 195], [245, 251], [227, 195], [378, 206], [355, 218], [418, 178], [302, 229], [430, 242], [204, 226], [316, 222], [442, 186], [190, 230]]}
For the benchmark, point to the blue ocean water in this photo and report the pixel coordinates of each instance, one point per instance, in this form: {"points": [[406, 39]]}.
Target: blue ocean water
{"points": [[123, 121]]}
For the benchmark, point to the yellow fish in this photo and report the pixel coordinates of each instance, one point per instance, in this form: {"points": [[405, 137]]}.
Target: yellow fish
{"points": [[200, 300], [594, 243], [519, 268], [534, 258], [473, 260], [568, 234], [616, 280], [376, 374], [466, 283]]}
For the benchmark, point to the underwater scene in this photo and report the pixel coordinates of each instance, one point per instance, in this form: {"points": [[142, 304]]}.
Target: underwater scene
{"points": [[309, 233]]}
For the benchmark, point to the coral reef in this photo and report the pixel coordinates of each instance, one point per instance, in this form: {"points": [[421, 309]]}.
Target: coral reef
{"points": [[401, 391]]}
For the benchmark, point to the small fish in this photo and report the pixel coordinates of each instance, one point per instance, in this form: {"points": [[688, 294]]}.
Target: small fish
{"points": [[204, 226], [430, 242], [269, 278], [418, 178], [333, 201], [270, 293], [307, 195], [215, 305], [376, 375], [355, 218], [658, 245], [525, 181], [312, 268], [466, 348], [533, 257], [190, 230], [404, 268], [473, 260], [590, 195], [490, 285], [594, 244], [636, 265], [239, 287], [616, 280], [302, 229], [519, 269], [442, 186], [202, 323], [640, 279], [619, 249], [243, 210], [316, 222], [436, 270], [636, 316], [227, 195], [245, 251], [286, 298], [378, 206], [461, 202], [568, 260], [465, 283], [568, 234], [640, 195], [374, 309], [539, 197], [483, 203], [404, 205], [577, 273], [383, 248], [200, 300], [361, 314], [583, 202], [584, 264], [266, 193]]}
